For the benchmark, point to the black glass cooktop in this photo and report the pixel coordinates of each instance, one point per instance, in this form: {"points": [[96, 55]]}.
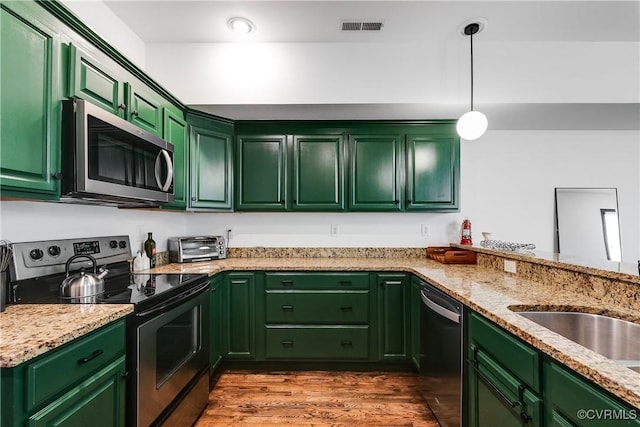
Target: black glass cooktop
{"points": [[120, 288]]}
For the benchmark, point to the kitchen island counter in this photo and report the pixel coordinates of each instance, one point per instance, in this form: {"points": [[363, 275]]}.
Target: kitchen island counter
{"points": [[29, 330], [490, 292]]}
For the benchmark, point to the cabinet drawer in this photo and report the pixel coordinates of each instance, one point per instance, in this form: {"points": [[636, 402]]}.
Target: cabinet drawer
{"points": [[317, 281], [308, 342], [317, 307], [73, 362], [570, 395], [517, 357]]}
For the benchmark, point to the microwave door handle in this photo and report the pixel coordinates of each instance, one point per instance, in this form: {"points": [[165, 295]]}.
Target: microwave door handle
{"points": [[167, 159]]}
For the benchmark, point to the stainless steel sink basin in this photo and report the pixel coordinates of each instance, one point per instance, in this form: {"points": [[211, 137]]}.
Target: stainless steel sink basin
{"points": [[613, 338]]}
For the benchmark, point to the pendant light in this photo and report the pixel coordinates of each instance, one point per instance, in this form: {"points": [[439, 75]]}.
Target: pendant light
{"points": [[473, 124]]}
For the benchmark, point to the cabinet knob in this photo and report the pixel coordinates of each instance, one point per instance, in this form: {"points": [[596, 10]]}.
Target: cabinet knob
{"points": [[134, 113], [122, 107], [57, 175], [295, 201], [409, 201], [396, 202], [282, 202], [193, 199]]}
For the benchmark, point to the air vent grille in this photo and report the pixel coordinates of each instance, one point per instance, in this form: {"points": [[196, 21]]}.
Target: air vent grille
{"points": [[353, 25]]}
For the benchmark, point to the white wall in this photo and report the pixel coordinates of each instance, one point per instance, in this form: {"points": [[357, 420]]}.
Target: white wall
{"points": [[325, 73], [29, 221], [97, 16]]}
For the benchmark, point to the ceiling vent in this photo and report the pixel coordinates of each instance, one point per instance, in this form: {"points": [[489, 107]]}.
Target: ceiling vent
{"points": [[355, 25]]}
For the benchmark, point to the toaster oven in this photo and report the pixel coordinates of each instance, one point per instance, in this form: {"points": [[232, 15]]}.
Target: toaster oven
{"points": [[197, 248]]}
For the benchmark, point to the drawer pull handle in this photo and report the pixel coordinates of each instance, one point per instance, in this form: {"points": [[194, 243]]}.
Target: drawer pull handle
{"points": [[474, 365], [346, 343], [288, 344], [287, 308], [345, 282], [287, 282], [346, 308], [90, 357]]}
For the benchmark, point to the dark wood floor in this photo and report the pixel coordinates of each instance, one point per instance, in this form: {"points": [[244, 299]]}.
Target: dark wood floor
{"points": [[316, 398]]}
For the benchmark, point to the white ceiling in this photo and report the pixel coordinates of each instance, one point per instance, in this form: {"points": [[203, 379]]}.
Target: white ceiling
{"points": [[158, 21], [561, 64]]}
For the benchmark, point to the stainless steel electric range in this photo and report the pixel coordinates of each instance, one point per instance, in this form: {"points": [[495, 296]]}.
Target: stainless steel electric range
{"points": [[167, 334]]}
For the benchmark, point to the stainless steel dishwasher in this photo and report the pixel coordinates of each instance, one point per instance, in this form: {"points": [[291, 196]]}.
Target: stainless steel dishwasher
{"points": [[441, 348]]}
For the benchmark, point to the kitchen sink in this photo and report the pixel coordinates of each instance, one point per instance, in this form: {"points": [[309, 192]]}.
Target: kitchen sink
{"points": [[613, 338]]}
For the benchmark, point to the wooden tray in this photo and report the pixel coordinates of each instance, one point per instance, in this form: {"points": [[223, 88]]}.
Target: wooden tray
{"points": [[449, 255]]}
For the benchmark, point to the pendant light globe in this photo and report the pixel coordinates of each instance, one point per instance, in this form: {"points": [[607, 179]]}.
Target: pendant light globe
{"points": [[472, 125]]}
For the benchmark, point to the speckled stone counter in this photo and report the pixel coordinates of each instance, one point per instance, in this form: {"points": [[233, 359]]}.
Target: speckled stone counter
{"points": [[28, 330], [489, 292]]}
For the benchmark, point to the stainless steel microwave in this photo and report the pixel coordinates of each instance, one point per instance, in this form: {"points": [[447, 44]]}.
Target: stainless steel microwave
{"points": [[107, 160]]}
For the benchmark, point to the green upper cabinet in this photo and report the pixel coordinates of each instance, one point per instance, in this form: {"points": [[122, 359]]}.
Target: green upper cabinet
{"points": [[175, 132], [375, 162], [432, 162], [261, 172], [318, 173], [211, 159], [144, 108], [29, 104], [92, 80]]}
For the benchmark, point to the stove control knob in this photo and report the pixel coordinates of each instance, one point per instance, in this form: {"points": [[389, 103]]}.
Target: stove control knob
{"points": [[36, 254], [113, 244], [122, 244], [54, 250]]}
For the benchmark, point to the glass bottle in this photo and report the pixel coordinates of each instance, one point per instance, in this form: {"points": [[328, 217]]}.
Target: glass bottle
{"points": [[150, 249]]}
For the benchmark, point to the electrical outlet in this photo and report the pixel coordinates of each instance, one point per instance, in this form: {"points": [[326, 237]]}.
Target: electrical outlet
{"points": [[425, 230], [333, 230], [509, 266]]}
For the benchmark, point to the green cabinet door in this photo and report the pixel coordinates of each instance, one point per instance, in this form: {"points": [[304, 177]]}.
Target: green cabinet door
{"points": [[415, 305], [496, 398], [29, 104], [144, 108], [571, 400], [175, 132], [215, 318], [261, 173], [93, 81], [318, 173], [98, 401], [240, 316], [210, 151], [393, 316], [432, 178], [375, 173]]}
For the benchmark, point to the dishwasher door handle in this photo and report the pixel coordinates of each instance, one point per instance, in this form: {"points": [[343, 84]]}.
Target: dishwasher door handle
{"points": [[448, 314]]}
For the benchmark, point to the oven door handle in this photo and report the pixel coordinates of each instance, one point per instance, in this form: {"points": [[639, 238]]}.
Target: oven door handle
{"points": [[175, 301]]}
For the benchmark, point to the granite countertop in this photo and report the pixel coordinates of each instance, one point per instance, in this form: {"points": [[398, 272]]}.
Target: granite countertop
{"points": [[488, 292], [29, 330]]}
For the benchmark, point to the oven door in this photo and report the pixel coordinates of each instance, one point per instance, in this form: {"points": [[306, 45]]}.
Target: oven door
{"points": [[172, 349]]}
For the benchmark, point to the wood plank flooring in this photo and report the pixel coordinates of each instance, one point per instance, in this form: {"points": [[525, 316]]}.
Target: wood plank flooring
{"points": [[316, 398]]}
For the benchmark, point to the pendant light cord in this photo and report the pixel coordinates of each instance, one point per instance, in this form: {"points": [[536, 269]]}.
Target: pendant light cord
{"points": [[471, 35]]}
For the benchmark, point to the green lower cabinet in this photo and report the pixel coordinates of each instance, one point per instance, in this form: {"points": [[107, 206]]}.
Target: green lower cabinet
{"points": [[415, 306], [30, 112], [98, 401], [216, 317], [573, 401], [240, 320], [393, 316], [80, 383], [317, 342]]}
